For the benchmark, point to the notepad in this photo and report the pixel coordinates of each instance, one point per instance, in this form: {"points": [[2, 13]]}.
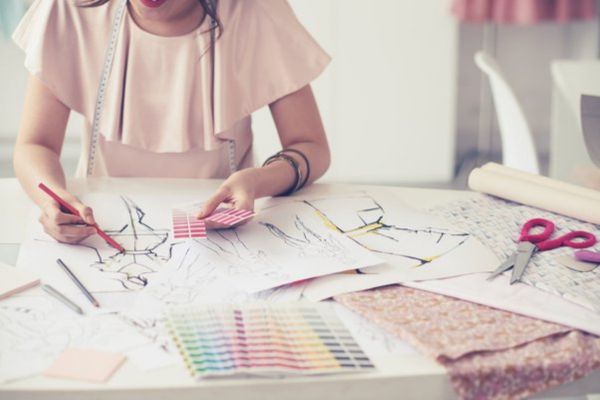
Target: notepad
{"points": [[14, 280], [85, 365]]}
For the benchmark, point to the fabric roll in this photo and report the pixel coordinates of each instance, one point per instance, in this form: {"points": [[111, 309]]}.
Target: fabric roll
{"points": [[537, 191]]}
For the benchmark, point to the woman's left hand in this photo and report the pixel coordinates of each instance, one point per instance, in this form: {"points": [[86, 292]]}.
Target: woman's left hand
{"points": [[238, 191]]}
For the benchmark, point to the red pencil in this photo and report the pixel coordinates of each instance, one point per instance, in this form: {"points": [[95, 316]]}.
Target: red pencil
{"points": [[71, 210]]}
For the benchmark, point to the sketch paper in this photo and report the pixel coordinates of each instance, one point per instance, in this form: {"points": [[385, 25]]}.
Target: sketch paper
{"points": [[192, 279], [282, 244], [189, 280], [142, 225], [36, 328], [415, 245], [150, 357], [498, 222], [518, 298]]}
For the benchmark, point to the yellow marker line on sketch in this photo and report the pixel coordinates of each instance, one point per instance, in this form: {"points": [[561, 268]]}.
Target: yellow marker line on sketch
{"points": [[364, 230], [328, 224]]}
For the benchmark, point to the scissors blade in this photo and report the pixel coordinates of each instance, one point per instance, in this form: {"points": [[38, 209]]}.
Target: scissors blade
{"points": [[524, 253], [505, 266]]}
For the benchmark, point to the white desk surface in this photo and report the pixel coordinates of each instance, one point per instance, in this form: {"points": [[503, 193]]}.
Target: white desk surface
{"points": [[407, 377]]}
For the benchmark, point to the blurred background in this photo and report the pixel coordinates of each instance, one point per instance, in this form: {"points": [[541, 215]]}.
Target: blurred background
{"points": [[403, 101]]}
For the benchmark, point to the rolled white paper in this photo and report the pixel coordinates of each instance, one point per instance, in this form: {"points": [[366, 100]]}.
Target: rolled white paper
{"points": [[537, 191], [543, 180]]}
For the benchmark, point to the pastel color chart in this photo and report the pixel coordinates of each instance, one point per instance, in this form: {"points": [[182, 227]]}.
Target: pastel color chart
{"points": [[230, 216], [186, 225], [265, 339]]}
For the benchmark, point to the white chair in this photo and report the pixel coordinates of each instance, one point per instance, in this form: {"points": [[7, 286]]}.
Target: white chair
{"points": [[518, 148]]}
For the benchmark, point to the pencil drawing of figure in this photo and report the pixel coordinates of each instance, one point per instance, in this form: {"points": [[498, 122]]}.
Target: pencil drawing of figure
{"points": [[146, 250], [309, 243], [370, 226], [236, 258]]}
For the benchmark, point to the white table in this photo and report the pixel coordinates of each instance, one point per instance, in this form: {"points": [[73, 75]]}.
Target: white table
{"points": [[407, 377], [570, 79]]}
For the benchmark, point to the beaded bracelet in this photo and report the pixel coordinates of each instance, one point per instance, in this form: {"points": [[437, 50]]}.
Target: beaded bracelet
{"points": [[301, 154], [293, 164]]}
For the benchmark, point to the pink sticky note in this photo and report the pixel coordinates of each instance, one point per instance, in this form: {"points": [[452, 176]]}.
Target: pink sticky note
{"points": [[85, 365]]}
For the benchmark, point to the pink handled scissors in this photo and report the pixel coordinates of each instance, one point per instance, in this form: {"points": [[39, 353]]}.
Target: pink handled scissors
{"points": [[530, 243]]}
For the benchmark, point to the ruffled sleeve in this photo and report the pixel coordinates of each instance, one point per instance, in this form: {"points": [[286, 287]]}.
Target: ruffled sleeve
{"points": [[263, 54], [57, 37]]}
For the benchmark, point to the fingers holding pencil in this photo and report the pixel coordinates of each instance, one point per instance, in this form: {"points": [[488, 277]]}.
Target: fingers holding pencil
{"points": [[77, 209], [71, 205], [67, 228]]}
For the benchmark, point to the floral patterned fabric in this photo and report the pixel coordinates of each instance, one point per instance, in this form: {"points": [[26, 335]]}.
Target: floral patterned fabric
{"points": [[488, 353]]}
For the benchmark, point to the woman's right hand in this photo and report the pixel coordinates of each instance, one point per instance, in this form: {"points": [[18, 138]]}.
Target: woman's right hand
{"points": [[65, 227]]}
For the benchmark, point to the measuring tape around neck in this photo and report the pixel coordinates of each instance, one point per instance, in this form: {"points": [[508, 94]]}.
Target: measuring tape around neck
{"points": [[108, 60], [230, 143], [106, 69]]}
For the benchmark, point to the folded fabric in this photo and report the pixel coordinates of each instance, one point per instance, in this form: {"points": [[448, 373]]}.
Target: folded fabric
{"points": [[524, 370], [488, 353]]}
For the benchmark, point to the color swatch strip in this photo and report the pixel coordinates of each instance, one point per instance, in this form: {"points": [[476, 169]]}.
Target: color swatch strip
{"points": [[186, 225], [265, 339], [230, 216]]}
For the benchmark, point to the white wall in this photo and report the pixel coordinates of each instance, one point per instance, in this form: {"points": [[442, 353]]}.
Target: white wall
{"points": [[13, 81], [12, 84], [388, 98]]}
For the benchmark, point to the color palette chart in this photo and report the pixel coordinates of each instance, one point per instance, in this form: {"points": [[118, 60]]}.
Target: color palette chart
{"points": [[265, 339], [230, 216], [186, 225]]}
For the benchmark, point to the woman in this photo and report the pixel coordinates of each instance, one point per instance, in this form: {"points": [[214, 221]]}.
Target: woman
{"points": [[167, 88]]}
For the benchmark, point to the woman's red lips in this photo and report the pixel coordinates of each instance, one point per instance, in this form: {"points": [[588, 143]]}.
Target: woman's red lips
{"points": [[153, 3]]}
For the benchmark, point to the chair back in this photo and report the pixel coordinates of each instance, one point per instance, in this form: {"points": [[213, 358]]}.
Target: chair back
{"points": [[518, 148]]}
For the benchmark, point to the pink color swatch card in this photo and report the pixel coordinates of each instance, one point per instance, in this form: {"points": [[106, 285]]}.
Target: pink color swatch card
{"points": [[229, 216], [186, 225], [85, 365]]}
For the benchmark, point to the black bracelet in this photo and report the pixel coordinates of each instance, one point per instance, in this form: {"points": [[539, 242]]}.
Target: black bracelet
{"points": [[301, 154], [293, 164]]}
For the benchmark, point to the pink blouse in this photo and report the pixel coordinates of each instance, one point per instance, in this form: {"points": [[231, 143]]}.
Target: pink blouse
{"points": [[157, 119]]}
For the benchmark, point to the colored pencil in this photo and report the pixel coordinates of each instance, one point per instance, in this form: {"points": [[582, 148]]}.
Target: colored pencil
{"points": [[62, 298], [72, 210], [78, 283]]}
